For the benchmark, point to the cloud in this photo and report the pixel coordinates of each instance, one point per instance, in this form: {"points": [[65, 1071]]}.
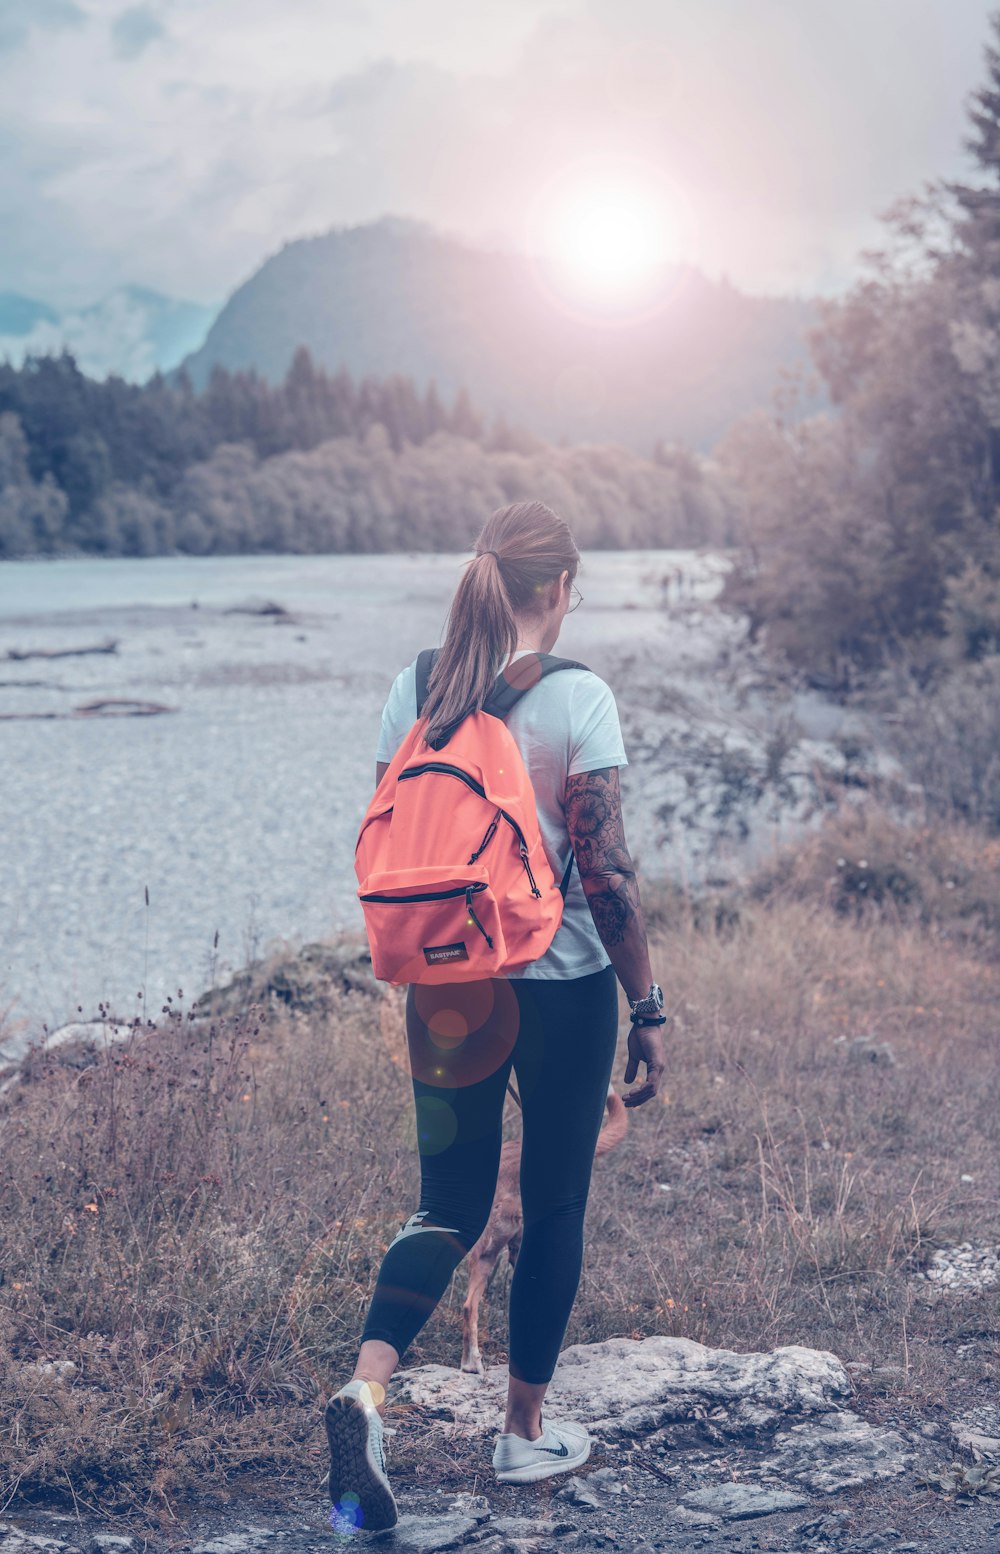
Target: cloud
{"points": [[112, 337], [779, 129], [134, 30], [19, 17], [776, 133]]}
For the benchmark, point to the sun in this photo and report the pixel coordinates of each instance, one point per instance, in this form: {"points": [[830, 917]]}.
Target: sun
{"points": [[604, 230], [610, 239]]}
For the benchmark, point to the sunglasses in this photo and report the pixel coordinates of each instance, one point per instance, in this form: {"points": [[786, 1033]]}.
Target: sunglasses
{"points": [[576, 596]]}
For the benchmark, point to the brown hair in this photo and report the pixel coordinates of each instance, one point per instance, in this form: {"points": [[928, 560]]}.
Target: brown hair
{"points": [[519, 550]]}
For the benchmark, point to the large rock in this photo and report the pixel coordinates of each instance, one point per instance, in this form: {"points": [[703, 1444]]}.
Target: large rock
{"points": [[309, 980], [837, 1451], [629, 1387], [739, 1502]]}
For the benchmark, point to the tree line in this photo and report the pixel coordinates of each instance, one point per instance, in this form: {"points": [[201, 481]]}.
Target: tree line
{"points": [[319, 462], [871, 532], [869, 553]]}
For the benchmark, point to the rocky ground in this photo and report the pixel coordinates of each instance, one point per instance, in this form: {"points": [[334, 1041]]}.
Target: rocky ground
{"points": [[694, 1449]]}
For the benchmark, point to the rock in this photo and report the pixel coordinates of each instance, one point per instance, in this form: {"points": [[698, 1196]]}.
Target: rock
{"points": [[865, 1049], [109, 1543], [526, 1527], [78, 1044], [823, 1529], [52, 1370], [234, 1542], [969, 1266], [978, 1432], [837, 1451], [739, 1502], [689, 1518], [607, 1480], [14, 1541], [310, 981], [414, 1534], [625, 1387], [476, 1506], [578, 1492]]}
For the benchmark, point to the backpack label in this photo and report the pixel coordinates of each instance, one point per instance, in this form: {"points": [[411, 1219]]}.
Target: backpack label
{"points": [[435, 953]]}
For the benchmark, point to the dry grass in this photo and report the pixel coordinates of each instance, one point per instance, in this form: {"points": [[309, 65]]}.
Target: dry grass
{"points": [[195, 1219]]}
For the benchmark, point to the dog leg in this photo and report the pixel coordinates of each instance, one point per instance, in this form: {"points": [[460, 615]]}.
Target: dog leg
{"points": [[482, 1264]]}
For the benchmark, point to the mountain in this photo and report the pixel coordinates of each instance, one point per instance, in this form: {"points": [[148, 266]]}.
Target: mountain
{"points": [[132, 332], [20, 315], [397, 297]]}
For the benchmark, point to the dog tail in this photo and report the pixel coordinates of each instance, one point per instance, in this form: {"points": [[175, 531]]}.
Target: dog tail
{"points": [[616, 1126]]}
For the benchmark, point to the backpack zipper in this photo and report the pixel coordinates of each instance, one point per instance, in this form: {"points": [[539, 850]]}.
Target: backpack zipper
{"points": [[472, 914], [477, 787], [488, 837], [428, 895], [440, 895]]}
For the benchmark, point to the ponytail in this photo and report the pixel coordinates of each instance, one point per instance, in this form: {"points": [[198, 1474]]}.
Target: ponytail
{"points": [[520, 549]]}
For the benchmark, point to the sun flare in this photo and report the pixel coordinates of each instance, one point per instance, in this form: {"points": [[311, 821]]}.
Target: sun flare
{"points": [[609, 240]]}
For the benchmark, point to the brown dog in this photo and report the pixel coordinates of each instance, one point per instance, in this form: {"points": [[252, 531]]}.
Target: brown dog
{"points": [[504, 1226]]}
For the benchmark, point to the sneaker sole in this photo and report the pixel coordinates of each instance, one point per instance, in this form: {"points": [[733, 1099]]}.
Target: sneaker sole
{"points": [[529, 1472], [352, 1471]]}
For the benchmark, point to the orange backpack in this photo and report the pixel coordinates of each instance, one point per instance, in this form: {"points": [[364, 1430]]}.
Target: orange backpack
{"points": [[454, 881]]}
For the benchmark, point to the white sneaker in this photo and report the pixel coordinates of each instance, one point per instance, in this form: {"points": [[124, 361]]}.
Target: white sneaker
{"points": [[559, 1448], [359, 1489]]}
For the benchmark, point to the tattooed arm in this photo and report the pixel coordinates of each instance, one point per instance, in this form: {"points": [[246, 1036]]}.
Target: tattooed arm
{"points": [[597, 832], [596, 829]]}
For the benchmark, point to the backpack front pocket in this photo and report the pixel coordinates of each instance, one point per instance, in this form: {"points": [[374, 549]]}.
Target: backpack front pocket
{"points": [[425, 928]]}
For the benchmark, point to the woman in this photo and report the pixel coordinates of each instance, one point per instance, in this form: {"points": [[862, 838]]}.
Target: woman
{"points": [[555, 1023]]}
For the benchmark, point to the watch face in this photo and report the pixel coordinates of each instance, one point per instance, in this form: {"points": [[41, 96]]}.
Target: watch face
{"points": [[658, 995]]}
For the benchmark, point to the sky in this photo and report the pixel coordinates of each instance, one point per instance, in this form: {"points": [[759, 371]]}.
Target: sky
{"points": [[176, 144]]}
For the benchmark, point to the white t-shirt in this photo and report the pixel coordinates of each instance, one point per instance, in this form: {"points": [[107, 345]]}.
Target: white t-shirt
{"points": [[566, 724]]}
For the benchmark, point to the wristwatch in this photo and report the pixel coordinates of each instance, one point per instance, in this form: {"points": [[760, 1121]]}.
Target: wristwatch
{"points": [[648, 1010]]}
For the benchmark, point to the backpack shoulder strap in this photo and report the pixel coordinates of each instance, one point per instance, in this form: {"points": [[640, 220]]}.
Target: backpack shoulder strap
{"points": [[425, 663], [507, 693]]}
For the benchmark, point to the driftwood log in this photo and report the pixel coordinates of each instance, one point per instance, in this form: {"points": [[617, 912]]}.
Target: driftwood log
{"points": [[18, 655]]}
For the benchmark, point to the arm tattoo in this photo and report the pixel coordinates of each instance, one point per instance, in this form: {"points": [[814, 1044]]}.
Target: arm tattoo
{"points": [[597, 832]]}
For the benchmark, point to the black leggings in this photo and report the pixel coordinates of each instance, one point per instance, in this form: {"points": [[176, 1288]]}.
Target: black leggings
{"points": [[463, 1039]]}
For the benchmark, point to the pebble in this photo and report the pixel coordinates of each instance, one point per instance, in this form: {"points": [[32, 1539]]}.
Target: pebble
{"points": [[577, 1492]]}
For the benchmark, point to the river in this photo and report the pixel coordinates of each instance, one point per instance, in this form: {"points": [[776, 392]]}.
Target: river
{"points": [[236, 811]]}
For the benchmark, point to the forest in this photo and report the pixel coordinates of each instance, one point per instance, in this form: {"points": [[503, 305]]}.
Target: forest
{"points": [[318, 463]]}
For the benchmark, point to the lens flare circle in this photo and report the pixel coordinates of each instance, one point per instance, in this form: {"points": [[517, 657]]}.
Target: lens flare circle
{"points": [[463, 1031]]}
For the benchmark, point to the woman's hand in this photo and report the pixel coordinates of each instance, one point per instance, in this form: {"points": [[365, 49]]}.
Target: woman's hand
{"points": [[645, 1045]]}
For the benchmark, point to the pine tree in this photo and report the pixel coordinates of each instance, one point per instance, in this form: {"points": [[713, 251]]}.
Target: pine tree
{"points": [[978, 226]]}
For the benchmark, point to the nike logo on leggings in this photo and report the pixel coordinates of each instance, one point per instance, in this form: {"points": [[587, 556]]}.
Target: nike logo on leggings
{"points": [[413, 1227]]}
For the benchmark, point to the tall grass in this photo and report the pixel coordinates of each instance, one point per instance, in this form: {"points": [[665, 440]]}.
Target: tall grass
{"points": [[194, 1219]]}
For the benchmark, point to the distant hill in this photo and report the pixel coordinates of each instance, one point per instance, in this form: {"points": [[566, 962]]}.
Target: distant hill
{"points": [[20, 315], [396, 296], [132, 332]]}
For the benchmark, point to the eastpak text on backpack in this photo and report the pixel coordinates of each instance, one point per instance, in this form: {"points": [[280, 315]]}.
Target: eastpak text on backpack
{"points": [[454, 881]]}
